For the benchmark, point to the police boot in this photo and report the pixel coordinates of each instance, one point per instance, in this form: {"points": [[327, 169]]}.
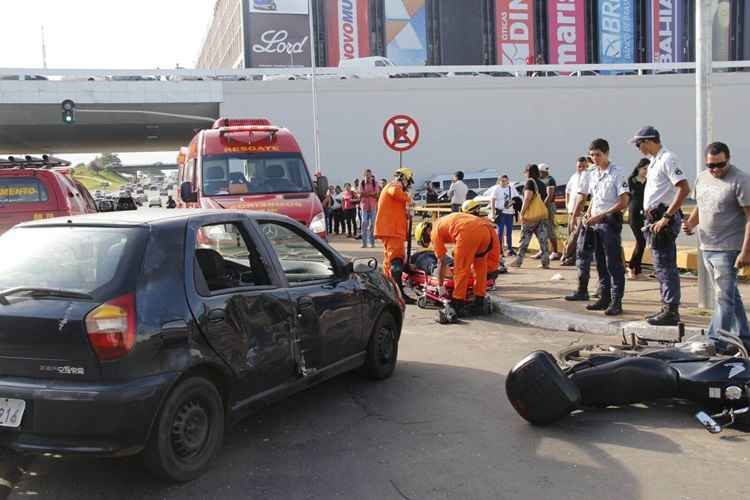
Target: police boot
{"points": [[602, 303], [657, 313], [615, 308], [670, 316], [582, 294]]}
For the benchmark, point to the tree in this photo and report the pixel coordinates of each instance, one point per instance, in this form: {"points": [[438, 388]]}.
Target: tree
{"points": [[109, 160]]}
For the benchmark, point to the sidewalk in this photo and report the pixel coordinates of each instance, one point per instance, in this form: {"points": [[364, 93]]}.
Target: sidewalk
{"points": [[531, 296]]}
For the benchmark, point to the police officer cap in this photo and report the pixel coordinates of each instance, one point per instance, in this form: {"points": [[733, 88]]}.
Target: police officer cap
{"points": [[647, 132]]}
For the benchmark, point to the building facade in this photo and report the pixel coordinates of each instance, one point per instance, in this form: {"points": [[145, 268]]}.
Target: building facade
{"points": [[276, 33], [223, 46]]}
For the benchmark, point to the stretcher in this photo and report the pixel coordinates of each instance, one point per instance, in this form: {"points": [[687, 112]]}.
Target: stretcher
{"points": [[421, 277]]}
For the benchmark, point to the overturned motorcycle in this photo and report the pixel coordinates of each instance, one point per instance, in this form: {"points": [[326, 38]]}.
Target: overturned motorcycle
{"points": [[543, 389]]}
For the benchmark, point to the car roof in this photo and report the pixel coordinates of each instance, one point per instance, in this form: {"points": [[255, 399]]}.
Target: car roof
{"points": [[147, 217]]}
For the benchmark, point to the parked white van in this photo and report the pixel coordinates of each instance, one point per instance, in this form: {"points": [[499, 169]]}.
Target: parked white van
{"points": [[366, 67]]}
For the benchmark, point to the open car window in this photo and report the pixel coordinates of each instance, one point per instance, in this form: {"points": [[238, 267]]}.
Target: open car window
{"points": [[301, 260], [226, 259]]}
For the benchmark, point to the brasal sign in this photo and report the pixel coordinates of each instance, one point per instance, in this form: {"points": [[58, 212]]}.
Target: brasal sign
{"points": [[401, 133]]}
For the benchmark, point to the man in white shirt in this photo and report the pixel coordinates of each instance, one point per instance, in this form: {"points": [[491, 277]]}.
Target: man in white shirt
{"points": [[666, 190], [502, 211], [458, 191], [608, 186], [575, 185]]}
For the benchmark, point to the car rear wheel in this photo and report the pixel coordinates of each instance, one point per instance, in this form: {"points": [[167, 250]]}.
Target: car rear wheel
{"points": [[382, 349], [188, 432]]}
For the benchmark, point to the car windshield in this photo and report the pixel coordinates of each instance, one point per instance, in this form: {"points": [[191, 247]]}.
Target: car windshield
{"points": [[85, 258], [255, 174]]}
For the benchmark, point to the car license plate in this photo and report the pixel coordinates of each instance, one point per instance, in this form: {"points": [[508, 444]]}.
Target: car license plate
{"points": [[11, 412]]}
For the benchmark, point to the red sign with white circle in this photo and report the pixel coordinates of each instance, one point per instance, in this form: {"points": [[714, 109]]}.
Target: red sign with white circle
{"points": [[401, 133]]}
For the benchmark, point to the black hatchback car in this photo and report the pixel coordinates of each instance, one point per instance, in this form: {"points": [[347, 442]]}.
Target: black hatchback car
{"points": [[149, 331]]}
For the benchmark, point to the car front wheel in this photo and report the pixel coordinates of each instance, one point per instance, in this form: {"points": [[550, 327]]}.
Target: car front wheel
{"points": [[188, 432], [382, 349]]}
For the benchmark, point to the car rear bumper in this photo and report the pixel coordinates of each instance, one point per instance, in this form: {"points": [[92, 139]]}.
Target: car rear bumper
{"points": [[84, 418]]}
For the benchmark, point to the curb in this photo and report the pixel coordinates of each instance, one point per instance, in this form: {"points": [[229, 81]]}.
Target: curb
{"points": [[556, 319]]}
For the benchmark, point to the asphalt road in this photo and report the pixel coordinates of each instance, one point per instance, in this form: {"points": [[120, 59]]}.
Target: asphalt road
{"points": [[440, 428]]}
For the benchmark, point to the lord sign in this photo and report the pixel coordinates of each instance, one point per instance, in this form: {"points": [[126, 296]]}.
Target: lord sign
{"points": [[401, 133]]}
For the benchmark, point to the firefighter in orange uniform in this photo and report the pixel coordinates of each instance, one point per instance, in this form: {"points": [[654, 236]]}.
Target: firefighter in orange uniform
{"points": [[391, 225], [477, 249]]}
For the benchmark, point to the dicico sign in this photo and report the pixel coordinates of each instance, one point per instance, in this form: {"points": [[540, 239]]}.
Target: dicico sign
{"points": [[616, 29], [514, 22], [567, 31], [666, 27], [279, 41], [348, 30]]}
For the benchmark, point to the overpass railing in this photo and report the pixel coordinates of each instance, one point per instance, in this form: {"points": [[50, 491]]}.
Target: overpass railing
{"points": [[520, 71]]}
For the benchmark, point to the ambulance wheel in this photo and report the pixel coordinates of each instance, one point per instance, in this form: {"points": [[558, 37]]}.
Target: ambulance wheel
{"points": [[422, 302]]}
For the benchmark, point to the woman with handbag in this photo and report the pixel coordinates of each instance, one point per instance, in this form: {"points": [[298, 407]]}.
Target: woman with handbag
{"points": [[533, 216]]}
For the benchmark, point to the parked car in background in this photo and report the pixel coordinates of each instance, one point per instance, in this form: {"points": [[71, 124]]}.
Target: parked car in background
{"points": [[176, 324], [366, 67], [126, 202], [154, 202], [105, 205], [29, 192]]}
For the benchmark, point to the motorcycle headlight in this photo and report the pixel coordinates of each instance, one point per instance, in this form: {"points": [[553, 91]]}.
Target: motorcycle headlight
{"points": [[318, 223]]}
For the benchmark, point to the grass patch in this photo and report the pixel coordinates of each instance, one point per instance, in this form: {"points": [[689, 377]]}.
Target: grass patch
{"points": [[105, 179]]}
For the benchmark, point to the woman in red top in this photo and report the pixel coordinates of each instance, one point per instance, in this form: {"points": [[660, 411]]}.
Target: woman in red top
{"points": [[368, 194]]}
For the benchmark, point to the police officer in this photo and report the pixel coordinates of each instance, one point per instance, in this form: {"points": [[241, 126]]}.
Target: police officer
{"points": [[608, 186], [665, 192]]}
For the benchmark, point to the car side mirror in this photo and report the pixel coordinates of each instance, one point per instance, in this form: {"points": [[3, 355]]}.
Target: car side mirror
{"points": [[364, 264], [187, 194]]}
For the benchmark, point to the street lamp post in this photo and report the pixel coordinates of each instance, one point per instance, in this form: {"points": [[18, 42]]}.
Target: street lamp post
{"points": [[704, 14], [313, 83]]}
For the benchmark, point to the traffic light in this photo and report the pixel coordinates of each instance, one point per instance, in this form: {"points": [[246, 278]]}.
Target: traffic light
{"points": [[68, 112]]}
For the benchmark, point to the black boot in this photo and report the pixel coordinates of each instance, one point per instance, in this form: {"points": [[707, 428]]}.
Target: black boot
{"points": [[602, 303], [461, 307], [657, 313], [582, 294], [478, 306], [615, 308], [670, 316]]}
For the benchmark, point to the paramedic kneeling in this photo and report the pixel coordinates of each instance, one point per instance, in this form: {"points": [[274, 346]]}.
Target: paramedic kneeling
{"points": [[476, 246]]}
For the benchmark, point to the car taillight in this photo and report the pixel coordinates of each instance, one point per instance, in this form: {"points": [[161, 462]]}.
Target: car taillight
{"points": [[111, 328]]}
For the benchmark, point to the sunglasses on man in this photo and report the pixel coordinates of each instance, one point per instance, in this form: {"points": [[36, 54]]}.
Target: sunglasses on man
{"points": [[715, 166]]}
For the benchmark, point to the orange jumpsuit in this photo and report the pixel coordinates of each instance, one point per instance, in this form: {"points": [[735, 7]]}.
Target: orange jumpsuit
{"points": [[476, 246], [391, 223]]}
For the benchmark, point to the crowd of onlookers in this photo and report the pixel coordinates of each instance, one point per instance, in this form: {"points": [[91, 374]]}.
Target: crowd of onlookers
{"points": [[597, 196], [350, 210]]}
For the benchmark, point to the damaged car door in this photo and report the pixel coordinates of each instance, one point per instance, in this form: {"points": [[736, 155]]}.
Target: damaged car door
{"points": [[240, 307]]}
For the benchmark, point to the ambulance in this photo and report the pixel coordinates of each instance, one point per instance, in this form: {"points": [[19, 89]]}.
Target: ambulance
{"points": [[250, 164]]}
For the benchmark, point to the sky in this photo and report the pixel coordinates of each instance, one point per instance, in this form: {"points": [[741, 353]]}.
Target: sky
{"points": [[99, 34]]}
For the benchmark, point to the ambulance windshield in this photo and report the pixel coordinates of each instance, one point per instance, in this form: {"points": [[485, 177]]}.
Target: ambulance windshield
{"points": [[255, 174]]}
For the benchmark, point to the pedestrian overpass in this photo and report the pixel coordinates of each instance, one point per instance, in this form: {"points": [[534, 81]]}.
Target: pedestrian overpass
{"points": [[468, 119]]}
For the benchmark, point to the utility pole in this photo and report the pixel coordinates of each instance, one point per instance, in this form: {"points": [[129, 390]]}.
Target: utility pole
{"points": [[313, 82], [704, 17], [44, 51]]}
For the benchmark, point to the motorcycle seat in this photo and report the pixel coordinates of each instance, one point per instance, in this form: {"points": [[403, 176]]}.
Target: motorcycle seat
{"points": [[626, 381]]}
